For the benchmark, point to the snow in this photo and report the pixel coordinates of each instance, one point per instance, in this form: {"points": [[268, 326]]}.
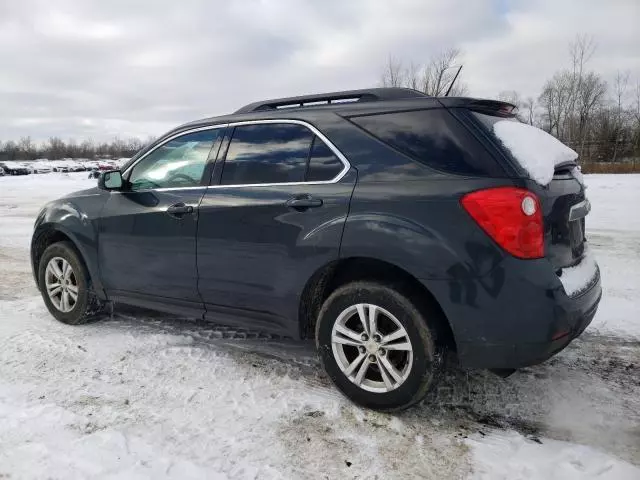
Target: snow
{"points": [[536, 151], [143, 395], [510, 456], [577, 278]]}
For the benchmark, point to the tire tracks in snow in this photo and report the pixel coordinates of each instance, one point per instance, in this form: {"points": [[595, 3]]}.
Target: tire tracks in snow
{"points": [[590, 393]]}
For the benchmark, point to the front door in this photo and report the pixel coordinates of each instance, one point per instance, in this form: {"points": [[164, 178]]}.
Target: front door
{"points": [[275, 217], [147, 237]]}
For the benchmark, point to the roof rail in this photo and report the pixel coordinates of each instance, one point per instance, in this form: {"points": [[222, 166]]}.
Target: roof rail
{"points": [[347, 96]]}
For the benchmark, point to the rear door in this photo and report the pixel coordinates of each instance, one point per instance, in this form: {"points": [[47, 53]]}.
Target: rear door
{"points": [[274, 217], [147, 236]]}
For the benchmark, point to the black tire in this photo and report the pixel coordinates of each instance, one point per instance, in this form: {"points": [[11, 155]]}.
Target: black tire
{"points": [[427, 361], [87, 305]]}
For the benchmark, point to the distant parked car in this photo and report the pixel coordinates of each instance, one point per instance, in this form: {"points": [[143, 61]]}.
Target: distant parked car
{"points": [[94, 174], [15, 168], [2, 174], [37, 168]]}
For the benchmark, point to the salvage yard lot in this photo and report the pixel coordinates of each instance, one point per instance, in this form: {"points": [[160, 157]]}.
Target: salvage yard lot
{"points": [[150, 396]]}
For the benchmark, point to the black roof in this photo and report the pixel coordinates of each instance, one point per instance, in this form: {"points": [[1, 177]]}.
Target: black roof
{"points": [[348, 102], [347, 96]]}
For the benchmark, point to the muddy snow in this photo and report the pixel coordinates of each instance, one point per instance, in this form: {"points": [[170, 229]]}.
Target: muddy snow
{"points": [[141, 395]]}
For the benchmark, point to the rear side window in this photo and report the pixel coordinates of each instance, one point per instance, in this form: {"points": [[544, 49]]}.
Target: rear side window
{"points": [[433, 137], [323, 163], [267, 153]]}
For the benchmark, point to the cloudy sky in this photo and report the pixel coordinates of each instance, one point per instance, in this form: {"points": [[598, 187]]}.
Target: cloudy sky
{"points": [[79, 68]]}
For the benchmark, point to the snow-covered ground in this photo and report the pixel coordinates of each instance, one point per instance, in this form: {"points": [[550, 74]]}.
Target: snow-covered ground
{"points": [[149, 396]]}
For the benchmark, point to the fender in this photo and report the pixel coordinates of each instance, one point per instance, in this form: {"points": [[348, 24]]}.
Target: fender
{"points": [[78, 224], [419, 249]]}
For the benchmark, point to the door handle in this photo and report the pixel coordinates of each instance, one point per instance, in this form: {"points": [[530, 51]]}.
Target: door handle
{"points": [[179, 209], [304, 202]]}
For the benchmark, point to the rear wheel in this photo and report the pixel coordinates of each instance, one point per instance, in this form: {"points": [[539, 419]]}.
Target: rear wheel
{"points": [[65, 285], [376, 346]]}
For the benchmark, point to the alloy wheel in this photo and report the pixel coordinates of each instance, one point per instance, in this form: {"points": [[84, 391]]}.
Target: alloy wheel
{"points": [[372, 348], [61, 284]]}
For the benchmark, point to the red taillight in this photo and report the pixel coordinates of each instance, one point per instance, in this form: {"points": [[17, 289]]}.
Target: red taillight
{"points": [[510, 216]]}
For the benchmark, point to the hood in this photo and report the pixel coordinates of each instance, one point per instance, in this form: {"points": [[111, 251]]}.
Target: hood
{"points": [[85, 193]]}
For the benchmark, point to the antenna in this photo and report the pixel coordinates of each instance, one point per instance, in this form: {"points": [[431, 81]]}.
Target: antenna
{"points": [[453, 81]]}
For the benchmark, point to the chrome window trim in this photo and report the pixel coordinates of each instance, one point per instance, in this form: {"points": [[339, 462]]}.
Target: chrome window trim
{"points": [[318, 133]]}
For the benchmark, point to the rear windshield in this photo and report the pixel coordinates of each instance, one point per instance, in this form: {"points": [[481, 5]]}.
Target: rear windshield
{"points": [[433, 137], [535, 150]]}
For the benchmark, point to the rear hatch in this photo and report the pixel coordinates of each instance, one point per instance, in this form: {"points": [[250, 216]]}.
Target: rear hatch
{"points": [[551, 172], [564, 207]]}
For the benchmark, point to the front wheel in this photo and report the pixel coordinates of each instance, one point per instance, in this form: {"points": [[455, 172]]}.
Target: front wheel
{"points": [[65, 285], [376, 346]]}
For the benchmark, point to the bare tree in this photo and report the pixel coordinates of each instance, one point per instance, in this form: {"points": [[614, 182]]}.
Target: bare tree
{"points": [[620, 89], [412, 76], [433, 78], [635, 112], [10, 150], [636, 104], [589, 97], [529, 113], [555, 100], [525, 107], [392, 75], [510, 96], [440, 72], [26, 149]]}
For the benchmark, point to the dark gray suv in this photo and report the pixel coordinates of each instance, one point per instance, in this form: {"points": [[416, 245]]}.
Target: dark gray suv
{"points": [[388, 225]]}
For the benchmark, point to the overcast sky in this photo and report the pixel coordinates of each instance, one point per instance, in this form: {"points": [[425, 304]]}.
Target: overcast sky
{"points": [[79, 69]]}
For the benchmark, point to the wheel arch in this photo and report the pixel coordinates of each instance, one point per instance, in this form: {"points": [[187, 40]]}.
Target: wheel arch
{"points": [[337, 273], [48, 234]]}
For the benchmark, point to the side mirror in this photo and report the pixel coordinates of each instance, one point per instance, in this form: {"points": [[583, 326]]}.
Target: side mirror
{"points": [[110, 180]]}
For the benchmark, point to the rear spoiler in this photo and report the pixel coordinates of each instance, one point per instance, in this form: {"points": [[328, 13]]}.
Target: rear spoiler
{"points": [[489, 107], [493, 107]]}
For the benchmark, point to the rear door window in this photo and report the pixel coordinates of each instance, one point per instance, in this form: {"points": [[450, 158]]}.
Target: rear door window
{"points": [[267, 153], [434, 137]]}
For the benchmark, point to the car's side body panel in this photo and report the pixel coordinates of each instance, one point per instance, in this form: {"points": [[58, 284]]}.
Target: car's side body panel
{"points": [[77, 217], [144, 250], [255, 254]]}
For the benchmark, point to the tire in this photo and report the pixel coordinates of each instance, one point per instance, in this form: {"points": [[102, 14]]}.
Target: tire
{"points": [[418, 369], [86, 305]]}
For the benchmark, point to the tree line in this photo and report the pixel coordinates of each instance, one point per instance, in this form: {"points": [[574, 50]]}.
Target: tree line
{"points": [[55, 148], [600, 120]]}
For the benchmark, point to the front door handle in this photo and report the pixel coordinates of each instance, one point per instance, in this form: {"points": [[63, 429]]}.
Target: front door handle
{"points": [[304, 202], [179, 209]]}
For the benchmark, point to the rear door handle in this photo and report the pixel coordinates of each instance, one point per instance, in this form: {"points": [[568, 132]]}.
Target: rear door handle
{"points": [[303, 202], [179, 209]]}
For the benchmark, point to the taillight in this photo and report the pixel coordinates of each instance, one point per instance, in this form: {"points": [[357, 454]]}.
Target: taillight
{"points": [[511, 216]]}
